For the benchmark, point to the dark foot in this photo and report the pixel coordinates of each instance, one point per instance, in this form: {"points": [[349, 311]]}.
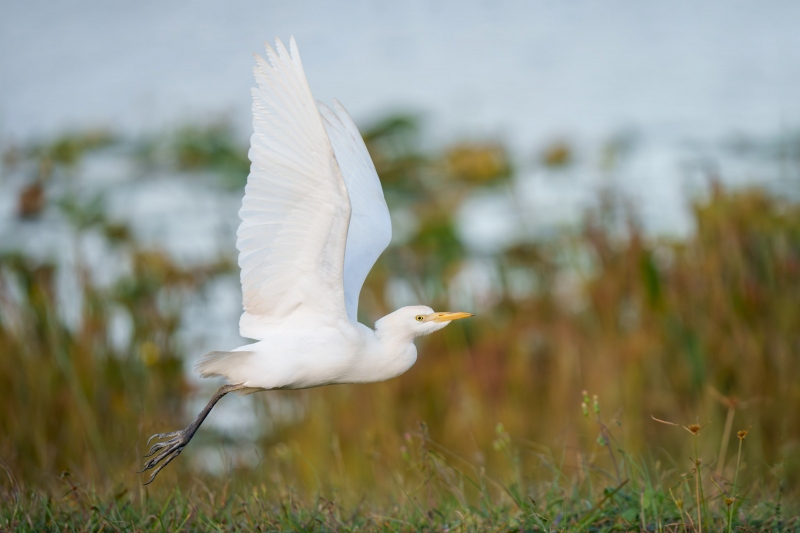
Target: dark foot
{"points": [[172, 448], [177, 440]]}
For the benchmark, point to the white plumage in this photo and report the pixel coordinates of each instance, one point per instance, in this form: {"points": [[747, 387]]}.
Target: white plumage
{"points": [[370, 228], [314, 221]]}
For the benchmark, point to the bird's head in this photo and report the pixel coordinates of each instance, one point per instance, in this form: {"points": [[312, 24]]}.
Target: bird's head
{"points": [[415, 321]]}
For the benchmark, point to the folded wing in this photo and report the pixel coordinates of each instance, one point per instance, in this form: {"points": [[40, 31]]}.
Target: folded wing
{"points": [[370, 226], [296, 209]]}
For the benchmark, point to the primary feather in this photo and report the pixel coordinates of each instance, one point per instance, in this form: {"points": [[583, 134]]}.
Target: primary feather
{"points": [[370, 228], [296, 209]]}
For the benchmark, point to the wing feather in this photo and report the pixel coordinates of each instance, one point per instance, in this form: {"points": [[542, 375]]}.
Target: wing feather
{"points": [[370, 227], [296, 210]]}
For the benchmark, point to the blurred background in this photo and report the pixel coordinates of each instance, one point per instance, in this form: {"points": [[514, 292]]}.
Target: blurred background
{"points": [[612, 187]]}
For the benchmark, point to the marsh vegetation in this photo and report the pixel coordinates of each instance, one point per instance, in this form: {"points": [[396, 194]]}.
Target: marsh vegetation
{"points": [[492, 428]]}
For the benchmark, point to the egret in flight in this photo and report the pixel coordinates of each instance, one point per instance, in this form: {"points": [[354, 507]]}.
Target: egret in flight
{"points": [[314, 221]]}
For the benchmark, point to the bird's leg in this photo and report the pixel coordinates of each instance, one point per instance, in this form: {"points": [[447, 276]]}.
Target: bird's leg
{"points": [[177, 440]]}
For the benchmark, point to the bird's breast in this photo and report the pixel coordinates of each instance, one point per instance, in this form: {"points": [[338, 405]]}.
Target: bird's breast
{"points": [[316, 356]]}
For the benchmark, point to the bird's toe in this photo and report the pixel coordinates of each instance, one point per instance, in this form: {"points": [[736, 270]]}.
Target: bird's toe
{"points": [[173, 455], [164, 436], [168, 450], [159, 445]]}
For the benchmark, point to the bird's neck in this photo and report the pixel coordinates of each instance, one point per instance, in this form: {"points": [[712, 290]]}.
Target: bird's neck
{"points": [[399, 352], [393, 337]]}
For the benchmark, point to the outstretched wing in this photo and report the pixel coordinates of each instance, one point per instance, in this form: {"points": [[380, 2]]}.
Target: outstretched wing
{"points": [[370, 226], [296, 209]]}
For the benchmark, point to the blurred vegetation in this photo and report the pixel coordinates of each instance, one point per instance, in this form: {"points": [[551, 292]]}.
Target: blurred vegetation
{"points": [[485, 430], [213, 148]]}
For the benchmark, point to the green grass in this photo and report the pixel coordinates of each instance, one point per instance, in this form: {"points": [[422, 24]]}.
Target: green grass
{"points": [[434, 491]]}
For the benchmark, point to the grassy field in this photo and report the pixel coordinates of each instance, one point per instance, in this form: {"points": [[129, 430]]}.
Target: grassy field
{"points": [[605, 386], [433, 489]]}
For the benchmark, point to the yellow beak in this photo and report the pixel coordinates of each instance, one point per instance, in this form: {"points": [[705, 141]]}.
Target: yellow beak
{"points": [[447, 317]]}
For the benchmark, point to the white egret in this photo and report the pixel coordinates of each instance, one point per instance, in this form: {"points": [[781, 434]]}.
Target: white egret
{"points": [[314, 221]]}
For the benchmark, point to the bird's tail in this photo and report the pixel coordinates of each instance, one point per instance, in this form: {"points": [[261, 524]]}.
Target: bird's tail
{"points": [[222, 364]]}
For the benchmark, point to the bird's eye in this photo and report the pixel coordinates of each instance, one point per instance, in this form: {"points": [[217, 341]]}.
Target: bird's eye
{"points": [[419, 318]]}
